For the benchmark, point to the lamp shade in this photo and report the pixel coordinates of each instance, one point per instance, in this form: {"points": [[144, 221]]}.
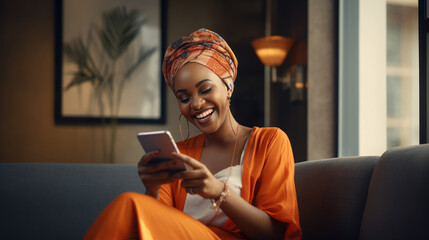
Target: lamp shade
{"points": [[272, 50]]}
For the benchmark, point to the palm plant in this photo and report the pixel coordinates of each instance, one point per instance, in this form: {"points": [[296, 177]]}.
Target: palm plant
{"points": [[119, 29]]}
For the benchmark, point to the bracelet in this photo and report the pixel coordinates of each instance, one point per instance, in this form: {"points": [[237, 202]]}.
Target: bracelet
{"points": [[222, 198]]}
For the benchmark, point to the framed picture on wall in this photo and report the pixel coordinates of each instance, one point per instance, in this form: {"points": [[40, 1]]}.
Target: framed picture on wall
{"points": [[108, 61]]}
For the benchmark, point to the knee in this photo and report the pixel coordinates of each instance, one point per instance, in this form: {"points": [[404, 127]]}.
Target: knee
{"points": [[133, 200], [129, 197]]}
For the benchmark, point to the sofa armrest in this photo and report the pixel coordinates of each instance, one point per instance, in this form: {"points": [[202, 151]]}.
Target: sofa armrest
{"points": [[398, 197], [331, 196]]}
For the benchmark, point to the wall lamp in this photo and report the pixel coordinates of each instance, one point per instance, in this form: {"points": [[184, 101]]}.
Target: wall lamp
{"points": [[272, 51]]}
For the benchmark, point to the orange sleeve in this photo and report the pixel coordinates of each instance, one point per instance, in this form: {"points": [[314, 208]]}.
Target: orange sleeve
{"points": [[166, 194], [173, 194], [275, 190]]}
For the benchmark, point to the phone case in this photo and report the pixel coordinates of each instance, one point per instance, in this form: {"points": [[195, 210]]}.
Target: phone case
{"points": [[164, 143]]}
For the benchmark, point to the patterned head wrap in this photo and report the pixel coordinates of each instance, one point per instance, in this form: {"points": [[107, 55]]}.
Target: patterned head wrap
{"points": [[204, 47]]}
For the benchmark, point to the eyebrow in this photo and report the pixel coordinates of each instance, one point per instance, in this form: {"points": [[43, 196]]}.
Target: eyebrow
{"points": [[201, 82], [196, 85]]}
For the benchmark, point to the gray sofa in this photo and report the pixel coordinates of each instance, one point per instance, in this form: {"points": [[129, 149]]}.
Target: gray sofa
{"points": [[366, 197], [383, 197]]}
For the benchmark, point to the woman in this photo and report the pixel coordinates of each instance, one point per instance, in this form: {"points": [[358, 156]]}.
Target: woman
{"points": [[241, 180]]}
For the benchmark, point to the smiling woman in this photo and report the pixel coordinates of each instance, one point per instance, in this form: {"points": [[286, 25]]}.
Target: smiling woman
{"points": [[240, 183], [202, 97]]}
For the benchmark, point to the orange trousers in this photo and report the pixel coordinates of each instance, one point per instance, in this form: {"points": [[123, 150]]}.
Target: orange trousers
{"points": [[138, 216]]}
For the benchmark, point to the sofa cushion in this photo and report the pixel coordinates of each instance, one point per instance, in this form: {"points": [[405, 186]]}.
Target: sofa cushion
{"points": [[398, 198], [59, 201], [331, 196]]}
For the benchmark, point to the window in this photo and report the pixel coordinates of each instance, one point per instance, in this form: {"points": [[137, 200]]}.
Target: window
{"points": [[402, 73]]}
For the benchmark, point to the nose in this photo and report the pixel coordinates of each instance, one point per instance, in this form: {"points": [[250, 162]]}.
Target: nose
{"points": [[197, 102]]}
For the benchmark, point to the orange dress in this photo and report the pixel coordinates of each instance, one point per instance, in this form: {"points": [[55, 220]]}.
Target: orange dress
{"points": [[268, 184]]}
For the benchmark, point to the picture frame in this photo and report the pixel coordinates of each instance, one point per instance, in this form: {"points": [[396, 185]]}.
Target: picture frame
{"points": [[95, 84]]}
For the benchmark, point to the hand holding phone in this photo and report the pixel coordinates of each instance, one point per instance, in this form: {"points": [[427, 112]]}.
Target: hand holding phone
{"points": [[163, 142]]}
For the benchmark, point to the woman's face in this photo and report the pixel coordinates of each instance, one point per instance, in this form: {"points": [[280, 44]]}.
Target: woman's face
{"points": [[202, 97]]}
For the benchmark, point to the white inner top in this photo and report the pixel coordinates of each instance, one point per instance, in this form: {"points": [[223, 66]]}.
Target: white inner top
{"points": [[202, 210]]}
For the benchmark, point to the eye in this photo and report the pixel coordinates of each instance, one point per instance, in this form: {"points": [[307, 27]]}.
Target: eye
{"points": [[206, 91], [184, 99]]}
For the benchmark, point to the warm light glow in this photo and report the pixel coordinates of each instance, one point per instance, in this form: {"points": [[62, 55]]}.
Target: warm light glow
{"points": [[299, 85], [272, 50], [271, 56]]}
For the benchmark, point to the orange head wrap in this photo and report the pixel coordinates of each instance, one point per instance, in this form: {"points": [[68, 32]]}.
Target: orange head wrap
{"points": [[204, 47]]}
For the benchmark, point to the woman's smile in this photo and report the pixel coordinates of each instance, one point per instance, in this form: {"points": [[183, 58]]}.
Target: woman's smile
{"points": [[202, 97], [204, 116]]}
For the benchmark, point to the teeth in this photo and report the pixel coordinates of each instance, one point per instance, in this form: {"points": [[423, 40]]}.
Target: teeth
{"points": [[204, 114]]}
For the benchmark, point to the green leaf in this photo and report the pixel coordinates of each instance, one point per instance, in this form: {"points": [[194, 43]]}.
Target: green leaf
{"points": [[143, 55], [76, 52], [79, 78], [120, 28]]}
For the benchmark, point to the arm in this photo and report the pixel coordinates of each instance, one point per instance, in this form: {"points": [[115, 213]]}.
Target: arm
{"points": [[253, 222]]}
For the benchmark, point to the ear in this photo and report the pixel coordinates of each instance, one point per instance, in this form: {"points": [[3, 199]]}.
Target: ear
{"points": [[229, 93]]}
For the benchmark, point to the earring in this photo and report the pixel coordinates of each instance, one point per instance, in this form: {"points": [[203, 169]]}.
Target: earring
{"points": [[180, 129], [229, 96]]}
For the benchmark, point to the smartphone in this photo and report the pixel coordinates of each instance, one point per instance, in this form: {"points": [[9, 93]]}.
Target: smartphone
{"points": [[163, 142]]}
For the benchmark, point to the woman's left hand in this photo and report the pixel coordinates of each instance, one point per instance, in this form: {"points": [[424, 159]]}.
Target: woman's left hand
{"points": [[252, 221], [198, 180]]}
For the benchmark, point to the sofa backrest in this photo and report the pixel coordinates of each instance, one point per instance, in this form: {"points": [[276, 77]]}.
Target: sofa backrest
{"points": [[398, 198], [59, 201], [331, 196]]}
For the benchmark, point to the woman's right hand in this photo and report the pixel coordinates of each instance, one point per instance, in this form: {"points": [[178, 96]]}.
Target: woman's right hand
{"points": [[152, 175]]}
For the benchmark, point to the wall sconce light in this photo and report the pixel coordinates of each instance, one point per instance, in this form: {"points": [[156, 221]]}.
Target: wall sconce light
{"points": [[272, 51]]}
